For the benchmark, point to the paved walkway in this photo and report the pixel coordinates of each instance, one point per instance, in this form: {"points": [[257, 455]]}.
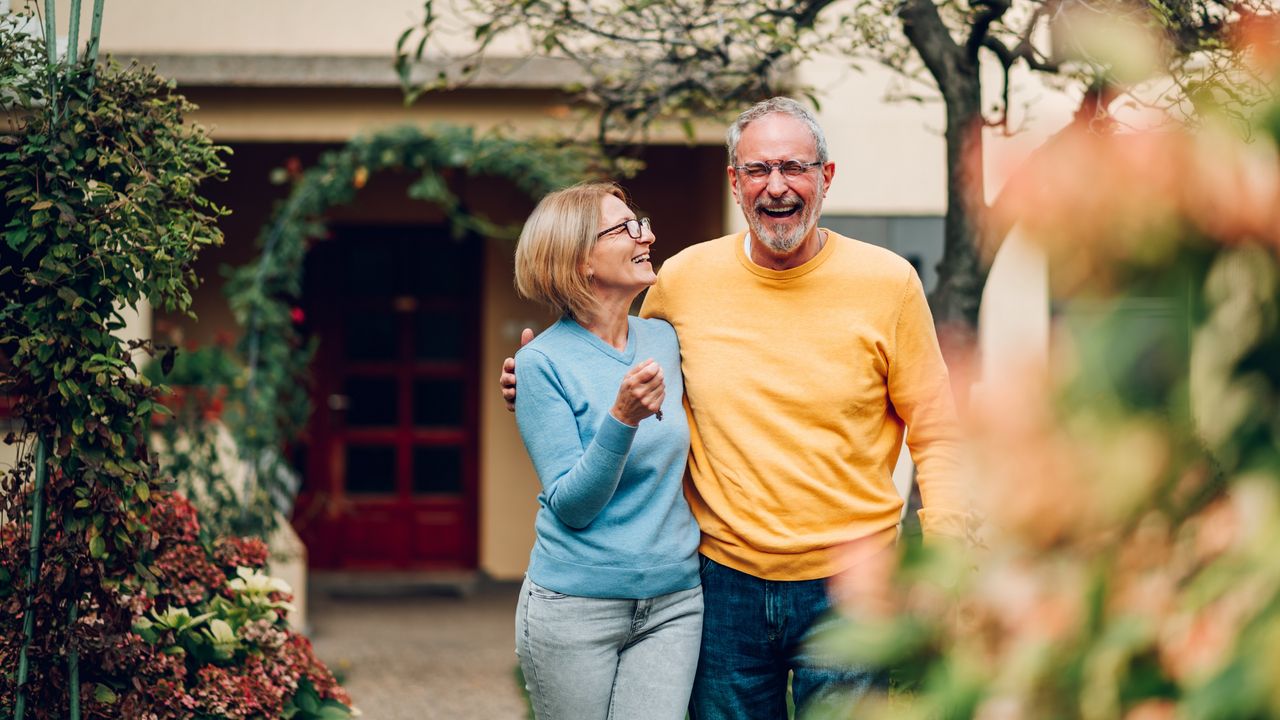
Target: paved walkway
{"points": [[423, 656]]}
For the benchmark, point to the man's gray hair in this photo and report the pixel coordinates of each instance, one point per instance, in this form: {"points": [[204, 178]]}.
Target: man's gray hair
{"points": [[776, 106]]}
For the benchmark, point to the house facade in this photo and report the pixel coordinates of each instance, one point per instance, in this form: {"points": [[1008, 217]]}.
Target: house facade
{"points": [[411, 462]]}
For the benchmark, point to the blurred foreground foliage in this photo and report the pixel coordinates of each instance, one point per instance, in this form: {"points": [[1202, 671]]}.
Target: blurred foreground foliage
{"points": [[1131, 490]]}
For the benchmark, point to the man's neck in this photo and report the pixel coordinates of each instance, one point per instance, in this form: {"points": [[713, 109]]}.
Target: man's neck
{"points": [[767, 258]]}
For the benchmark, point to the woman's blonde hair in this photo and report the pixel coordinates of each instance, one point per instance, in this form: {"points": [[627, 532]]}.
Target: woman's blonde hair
{"points": [[555, 245]]}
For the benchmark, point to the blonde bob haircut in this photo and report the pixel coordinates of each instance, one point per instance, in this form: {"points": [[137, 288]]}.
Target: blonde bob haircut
{"points": [[555, 246]]}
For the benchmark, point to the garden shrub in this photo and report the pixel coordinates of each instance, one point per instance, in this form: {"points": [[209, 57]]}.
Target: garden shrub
{"points": [[99, 210]]}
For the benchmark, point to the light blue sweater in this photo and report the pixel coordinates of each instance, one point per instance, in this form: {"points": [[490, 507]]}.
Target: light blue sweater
{"points": [[613, 521]]}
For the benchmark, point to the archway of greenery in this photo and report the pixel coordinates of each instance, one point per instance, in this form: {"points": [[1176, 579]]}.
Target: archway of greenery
{"points": [[267, 402]]}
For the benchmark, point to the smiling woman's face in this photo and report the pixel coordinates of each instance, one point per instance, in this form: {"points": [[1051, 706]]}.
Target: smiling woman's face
{"points": [[780, 211], [619, 263]]}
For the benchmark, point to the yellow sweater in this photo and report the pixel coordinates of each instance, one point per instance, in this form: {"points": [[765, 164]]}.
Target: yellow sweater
{"points": [[798, 384]]}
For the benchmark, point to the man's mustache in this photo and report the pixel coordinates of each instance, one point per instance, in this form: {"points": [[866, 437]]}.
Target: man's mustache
{"points": [[784, 204]]}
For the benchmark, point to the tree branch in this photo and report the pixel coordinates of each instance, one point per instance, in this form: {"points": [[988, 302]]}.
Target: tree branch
{"points": [[991, 11], [1026, 48], [929, 36], [1007, 59]]}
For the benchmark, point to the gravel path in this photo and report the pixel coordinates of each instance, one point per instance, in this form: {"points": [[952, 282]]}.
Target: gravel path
{"points": [[419, 657]]}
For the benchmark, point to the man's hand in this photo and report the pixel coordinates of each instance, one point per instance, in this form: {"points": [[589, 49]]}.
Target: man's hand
{"points": [[640, 394], [508, 378]]}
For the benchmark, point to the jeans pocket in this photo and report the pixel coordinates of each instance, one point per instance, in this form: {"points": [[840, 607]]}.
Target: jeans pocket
{"points": [[536, 590], [705, 565]]}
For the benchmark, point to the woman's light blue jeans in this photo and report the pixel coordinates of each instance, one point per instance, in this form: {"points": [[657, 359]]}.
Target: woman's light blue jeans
{"points": [[595, 658]]}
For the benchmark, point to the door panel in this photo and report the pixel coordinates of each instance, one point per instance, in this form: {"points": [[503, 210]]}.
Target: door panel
{"points": [[437, 470], [369, 470], [397, 314]]}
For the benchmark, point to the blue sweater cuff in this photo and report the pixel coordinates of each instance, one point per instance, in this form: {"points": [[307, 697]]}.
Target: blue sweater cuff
{"points": [[615, 435]]}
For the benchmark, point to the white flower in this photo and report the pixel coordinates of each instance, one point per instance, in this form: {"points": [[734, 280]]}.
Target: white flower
{"points": [[256, 582], [221, 633]]}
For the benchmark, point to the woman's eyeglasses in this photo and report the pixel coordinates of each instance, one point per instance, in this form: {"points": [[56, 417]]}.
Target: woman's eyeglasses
{"points": [[635, 228]]}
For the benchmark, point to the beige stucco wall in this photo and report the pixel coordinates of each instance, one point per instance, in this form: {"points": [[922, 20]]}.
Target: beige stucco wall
{"points": [[890, 157], [296, 27], [508, 487]]}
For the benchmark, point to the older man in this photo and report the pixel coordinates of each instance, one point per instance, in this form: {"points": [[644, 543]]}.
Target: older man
{"points": [[805, 355]]}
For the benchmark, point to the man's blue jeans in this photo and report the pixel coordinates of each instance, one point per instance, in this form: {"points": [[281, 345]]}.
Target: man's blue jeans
{"points": [[753, 633]]}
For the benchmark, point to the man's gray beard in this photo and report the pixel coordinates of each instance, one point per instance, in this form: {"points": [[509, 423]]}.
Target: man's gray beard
{"points": [[782, 245], [790, 239]]}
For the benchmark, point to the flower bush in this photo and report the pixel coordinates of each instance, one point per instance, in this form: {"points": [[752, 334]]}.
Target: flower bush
{"points": [[208, 636], [111, 603], [196, 449]]}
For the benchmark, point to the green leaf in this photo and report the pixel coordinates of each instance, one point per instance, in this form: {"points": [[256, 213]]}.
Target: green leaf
{"points": [[329, 712], [97, 547], [104, 694], [306, 698], [142, 491], [16, 238]]}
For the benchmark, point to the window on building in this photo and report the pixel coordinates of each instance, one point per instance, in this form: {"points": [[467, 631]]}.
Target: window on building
{"points": [[918, 238]]}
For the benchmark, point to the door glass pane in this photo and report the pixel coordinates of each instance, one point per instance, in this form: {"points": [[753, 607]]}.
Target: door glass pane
{"points": [[440, 267], [371, 336], [437, 335], [437, 470], [372, 267], [371, 469], [437, 402], [371, 401]]}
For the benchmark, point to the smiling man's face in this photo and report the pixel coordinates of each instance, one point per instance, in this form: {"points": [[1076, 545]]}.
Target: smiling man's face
{"points": [[781, 211]]}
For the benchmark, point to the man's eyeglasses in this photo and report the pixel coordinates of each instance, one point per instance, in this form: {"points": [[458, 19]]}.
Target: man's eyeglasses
{"points": [[788, 168], [635, 228]]}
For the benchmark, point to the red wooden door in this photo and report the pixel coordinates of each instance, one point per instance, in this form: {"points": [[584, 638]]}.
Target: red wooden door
{"points": [[390, 475]]}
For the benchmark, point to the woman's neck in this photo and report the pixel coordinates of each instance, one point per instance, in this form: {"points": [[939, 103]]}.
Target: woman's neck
{"points": [[609, 322]]}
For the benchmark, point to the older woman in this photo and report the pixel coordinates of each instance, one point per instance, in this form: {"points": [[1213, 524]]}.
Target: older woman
{"points": [[610, 614]]}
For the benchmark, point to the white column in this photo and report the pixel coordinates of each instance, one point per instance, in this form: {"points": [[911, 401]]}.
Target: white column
{"points": [[137, 326], [1013, 323]]}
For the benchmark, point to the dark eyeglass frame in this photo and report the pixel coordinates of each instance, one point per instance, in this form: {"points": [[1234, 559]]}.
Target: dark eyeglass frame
{"points": [[788, 168], [635, 228]]}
